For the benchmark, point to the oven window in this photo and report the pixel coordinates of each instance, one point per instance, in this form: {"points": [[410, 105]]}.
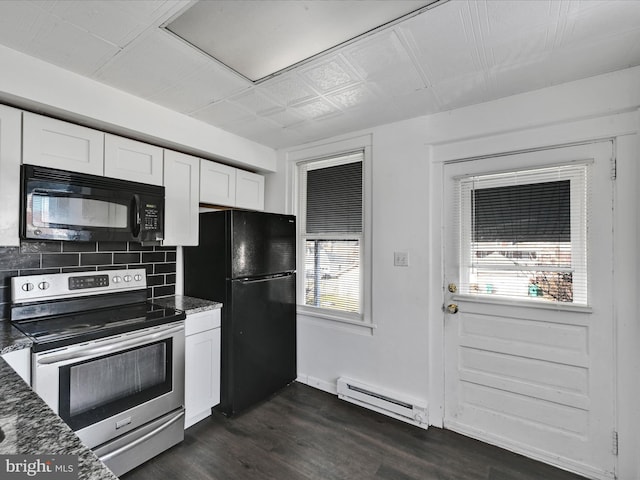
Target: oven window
{"points": [[78, 212], [101, 387]]}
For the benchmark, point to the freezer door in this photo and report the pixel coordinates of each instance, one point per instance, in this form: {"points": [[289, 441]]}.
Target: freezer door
{"points": [[262, 243], [259, 341]]}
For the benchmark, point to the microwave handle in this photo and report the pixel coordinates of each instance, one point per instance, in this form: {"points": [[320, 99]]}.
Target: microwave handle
{"points": [[135, 215]]}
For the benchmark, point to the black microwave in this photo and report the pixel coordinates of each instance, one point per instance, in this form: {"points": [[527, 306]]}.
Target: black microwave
{"points": [[61, 205]]}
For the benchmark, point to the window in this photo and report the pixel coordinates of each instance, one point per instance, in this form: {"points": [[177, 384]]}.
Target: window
{"points": [[523, 234], [331, 223]]}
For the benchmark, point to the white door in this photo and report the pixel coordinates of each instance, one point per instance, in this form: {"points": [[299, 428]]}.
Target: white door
{"points": [[529, 362]]}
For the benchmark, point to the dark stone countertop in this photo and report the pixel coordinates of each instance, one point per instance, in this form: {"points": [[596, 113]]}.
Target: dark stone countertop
{"points": [[187, 304], [32, 428], [11, 338]]}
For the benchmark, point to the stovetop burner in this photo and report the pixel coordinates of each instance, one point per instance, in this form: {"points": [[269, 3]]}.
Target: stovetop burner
{"points": [[60, 320]]}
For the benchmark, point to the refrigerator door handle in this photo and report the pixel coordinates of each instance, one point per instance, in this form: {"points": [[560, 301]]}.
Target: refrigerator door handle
{"points": [[265, 278]]}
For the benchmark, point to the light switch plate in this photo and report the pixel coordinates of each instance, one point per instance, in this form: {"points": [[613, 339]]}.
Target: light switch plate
{"points": [[401, 259]]}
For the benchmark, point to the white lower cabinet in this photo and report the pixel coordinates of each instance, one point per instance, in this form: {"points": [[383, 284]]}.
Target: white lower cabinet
{"points": [[20, 361], [202, 365]]}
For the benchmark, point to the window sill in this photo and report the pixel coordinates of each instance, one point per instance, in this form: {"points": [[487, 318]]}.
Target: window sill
{"points": [[526, 303], [351, 320]]}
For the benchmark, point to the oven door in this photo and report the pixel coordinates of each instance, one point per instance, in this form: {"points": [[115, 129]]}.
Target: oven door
{"points": [[105, 388]]}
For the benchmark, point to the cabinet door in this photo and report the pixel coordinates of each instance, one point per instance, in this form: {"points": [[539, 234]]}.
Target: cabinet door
{"points": [[9, 176], [202, 375], [217, 184], [201, 321], [57, 144], [249, 190], [182, 194], [132, 160]]}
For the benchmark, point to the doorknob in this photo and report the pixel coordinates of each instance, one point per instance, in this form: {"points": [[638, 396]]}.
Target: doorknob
{"points": [[452, 308]]}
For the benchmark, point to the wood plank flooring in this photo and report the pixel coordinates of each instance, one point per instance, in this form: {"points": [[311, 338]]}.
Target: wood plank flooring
{"points": [[303, 433]]}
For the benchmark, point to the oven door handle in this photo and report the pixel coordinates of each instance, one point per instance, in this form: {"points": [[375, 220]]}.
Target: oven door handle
{"points": [[142, 439], [86, 352]]}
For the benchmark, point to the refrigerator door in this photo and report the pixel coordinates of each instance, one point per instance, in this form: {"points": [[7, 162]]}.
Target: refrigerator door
{"points": [[259, 345], [261, 243]]}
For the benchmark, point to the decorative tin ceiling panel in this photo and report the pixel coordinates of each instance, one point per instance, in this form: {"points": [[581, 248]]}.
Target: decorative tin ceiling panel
{"points": [[457, 53]]}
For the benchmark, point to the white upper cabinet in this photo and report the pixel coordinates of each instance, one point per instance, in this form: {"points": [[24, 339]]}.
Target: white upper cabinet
{"points": [[231, 187], [132, 160], [249, 190], [217, 183], [9, 176], [182, 194], [56, 144]]}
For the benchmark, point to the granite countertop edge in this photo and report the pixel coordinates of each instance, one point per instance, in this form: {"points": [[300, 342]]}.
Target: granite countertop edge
{"points": [[32, 428], [29, 425], [12, 339], [189, 305]]}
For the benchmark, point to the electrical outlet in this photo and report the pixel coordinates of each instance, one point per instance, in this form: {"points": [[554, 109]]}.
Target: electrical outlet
{"points": [[401, 259]]}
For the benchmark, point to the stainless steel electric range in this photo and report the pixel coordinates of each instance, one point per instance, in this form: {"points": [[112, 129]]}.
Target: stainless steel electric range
{"points": [[109, 362]]}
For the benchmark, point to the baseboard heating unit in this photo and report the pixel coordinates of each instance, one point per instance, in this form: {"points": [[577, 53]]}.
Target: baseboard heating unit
{"points": [[405, 409]]}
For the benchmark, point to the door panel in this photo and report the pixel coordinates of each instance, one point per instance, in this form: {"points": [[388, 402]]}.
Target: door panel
{"points": [[533, 377]]}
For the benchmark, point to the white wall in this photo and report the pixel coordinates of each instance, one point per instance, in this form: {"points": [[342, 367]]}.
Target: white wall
{"points": [[394, 354], [404, 354], [29, 83]]}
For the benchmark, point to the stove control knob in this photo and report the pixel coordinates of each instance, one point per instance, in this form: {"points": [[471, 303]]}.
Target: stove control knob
{"points": [[27, 287], [127, 278], [117, 279], [43, 285], [137, 277]]}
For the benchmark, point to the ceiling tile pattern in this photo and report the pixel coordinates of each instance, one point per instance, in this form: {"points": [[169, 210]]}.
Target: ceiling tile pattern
{"points": [[459, 53], [288, 89]]}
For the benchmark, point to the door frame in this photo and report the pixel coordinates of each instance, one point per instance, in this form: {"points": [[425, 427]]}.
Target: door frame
{"points": [[592, 412], [622, 129]]}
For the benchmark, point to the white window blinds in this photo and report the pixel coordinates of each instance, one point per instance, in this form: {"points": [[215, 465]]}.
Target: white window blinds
{"points": [[524, 234], [332, 211]]}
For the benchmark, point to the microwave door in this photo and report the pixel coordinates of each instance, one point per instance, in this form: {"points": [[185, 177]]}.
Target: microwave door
{"points": [[61, 205], [62, 215]]}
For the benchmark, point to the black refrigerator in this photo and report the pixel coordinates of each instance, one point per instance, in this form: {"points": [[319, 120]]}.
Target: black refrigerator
{"points": [[247, 260]]}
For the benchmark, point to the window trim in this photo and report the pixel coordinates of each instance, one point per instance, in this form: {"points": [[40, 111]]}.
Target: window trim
{"points": [[326, 152]]}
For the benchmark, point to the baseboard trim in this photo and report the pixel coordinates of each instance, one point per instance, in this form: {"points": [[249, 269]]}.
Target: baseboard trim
{"points": [[318, 383]]}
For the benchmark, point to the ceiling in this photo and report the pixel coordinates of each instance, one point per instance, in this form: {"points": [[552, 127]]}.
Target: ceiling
{"points": [[459, 53], [277, 27]]}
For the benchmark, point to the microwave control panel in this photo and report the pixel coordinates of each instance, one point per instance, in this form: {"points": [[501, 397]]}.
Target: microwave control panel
{"points": [[151, 217]]}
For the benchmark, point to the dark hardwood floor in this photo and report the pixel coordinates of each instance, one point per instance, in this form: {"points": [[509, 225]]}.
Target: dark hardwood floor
{"points": [[304, 433]]}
